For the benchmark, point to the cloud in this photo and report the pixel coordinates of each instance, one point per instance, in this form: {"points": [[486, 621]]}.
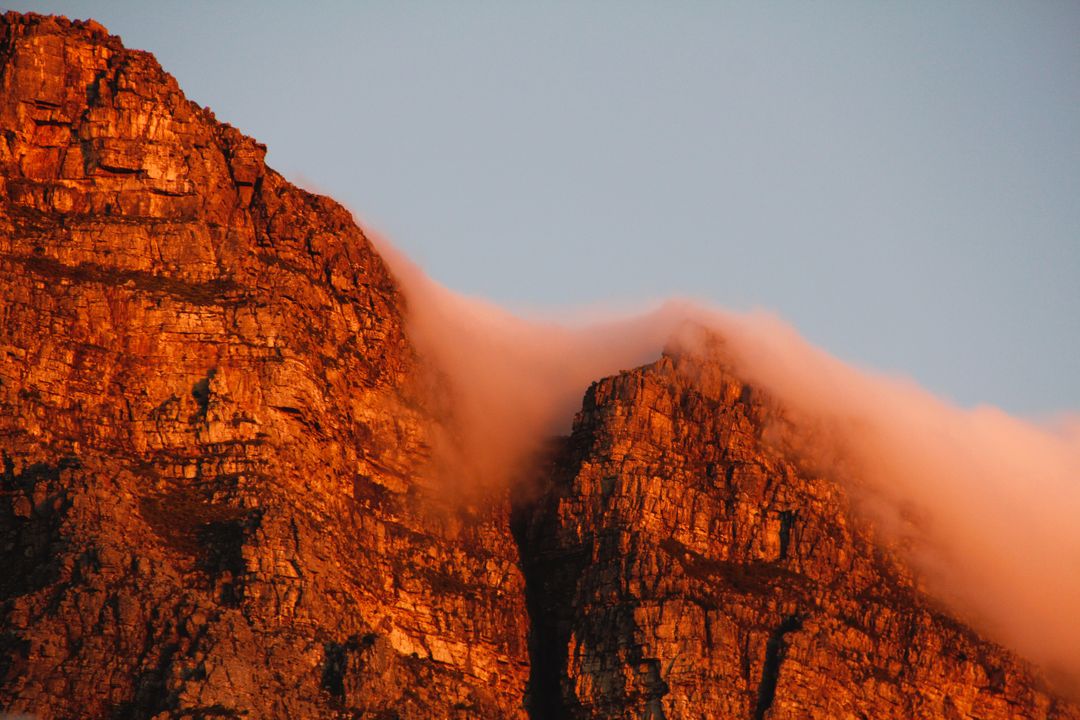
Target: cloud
{"points": [[997, 497]]}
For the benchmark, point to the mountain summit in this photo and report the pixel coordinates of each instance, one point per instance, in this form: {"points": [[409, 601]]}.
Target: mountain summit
{"points": [[221, 495]]}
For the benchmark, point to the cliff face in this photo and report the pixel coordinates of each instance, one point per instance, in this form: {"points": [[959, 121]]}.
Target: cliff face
{"points": [[679, 565], [215, 497], [213, 490]]}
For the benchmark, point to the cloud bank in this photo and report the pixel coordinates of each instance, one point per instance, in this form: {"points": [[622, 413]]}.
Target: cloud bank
{"points": [[998, 497]]}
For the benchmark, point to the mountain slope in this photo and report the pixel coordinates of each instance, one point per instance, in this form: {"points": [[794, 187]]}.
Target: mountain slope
{"points": [[680, 565], [211, 438], [217, 497]]}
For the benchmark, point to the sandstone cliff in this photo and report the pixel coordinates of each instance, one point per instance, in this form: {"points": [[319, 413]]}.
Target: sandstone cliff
{"points": [[210, 434], [216, 498], [679, 565]]}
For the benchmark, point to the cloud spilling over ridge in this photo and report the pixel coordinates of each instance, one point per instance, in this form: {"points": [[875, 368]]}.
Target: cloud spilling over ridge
{"points": [[510, 382], [998, 498]]}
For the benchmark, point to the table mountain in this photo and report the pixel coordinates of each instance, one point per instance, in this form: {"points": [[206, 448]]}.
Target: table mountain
{"points": [[219, 497]]}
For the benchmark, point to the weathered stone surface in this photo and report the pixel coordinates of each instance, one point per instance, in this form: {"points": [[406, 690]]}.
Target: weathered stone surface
{"points": [[680, 566], [215, 497], [213, 448]]}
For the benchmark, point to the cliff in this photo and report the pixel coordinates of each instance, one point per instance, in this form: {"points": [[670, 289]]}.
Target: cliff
{"points": [[217, 498], [680, 565], [213, 496]]}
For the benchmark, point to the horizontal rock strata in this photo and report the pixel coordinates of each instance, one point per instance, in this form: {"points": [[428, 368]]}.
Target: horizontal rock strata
{"points": [[679, 566], [217, 494], [213, 497]]}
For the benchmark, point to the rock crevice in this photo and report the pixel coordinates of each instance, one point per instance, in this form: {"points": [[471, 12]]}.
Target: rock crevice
{"points": [[775, 649]]}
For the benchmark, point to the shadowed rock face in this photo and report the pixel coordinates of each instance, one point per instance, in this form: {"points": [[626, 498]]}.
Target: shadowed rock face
{"points": [[215, 498]]}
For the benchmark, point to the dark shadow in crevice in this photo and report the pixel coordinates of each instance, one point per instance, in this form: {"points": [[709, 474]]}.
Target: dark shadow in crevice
{"points": [[550, 580], [775, 650], [787, 522]]}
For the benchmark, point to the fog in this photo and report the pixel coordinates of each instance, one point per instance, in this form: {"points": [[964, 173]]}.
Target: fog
{"points": [[997, 497]]}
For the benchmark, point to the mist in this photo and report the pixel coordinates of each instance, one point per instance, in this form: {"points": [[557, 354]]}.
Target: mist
{"points": [[997, 497]]}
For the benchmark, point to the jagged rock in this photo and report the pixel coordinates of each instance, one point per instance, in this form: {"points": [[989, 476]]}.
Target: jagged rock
{"points": [[679, 565], [216, 498], [207, 409]]}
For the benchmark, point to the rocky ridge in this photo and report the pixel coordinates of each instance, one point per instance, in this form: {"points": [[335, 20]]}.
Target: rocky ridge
{"points": [[216, 499], [680, 565]]}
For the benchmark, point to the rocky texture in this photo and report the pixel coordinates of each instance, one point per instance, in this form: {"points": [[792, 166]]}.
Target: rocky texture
{"points": [[679, 566], [213, 494], [215, 497]]}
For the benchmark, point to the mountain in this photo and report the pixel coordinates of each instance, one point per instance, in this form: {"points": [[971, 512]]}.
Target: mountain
{"points": [[221, 494], [679, 565], [211, 428]]}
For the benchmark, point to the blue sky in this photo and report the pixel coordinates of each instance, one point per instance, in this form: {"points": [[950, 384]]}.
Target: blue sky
{"points": [[901, 181]]}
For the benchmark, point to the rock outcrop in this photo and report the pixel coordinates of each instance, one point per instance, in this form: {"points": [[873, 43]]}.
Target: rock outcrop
{"points": [[679, 565], [213, 447], [216, 495]]}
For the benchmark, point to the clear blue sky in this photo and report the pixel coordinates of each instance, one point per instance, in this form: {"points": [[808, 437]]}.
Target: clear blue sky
{"points": [[901, 181]]}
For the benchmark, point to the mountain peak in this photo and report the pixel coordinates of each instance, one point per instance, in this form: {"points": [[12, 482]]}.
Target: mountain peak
{"points": [[217, 496]]}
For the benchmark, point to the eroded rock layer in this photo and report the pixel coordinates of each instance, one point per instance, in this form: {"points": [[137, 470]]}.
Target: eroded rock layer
{"points": [[213, 498], [679, 566], [215, 491]]}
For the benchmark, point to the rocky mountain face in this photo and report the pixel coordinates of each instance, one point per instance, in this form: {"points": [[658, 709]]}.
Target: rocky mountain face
{"points": [[680, 566], [211, 433], [217, 499]]}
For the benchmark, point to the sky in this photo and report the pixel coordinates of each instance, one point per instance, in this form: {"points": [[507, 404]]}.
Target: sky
{"points": [[899, 181]]}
